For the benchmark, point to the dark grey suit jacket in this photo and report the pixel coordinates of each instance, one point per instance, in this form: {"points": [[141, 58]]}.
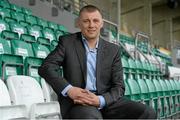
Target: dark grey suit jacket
{"points": [[70, 53]]}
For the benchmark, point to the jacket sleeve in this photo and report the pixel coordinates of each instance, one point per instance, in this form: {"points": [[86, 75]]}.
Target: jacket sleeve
{"points": [[117, 84], [49, 70]]}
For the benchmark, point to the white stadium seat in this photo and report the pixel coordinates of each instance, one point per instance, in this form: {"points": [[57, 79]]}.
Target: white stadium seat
{"points": [[26, 90], [8, 111], [48, 92]]}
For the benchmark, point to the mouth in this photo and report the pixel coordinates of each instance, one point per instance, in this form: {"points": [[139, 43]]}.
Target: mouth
{"points": [[91, 31]]}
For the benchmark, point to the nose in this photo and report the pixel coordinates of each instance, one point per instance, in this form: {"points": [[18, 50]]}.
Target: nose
{"points": [[91, 24]]}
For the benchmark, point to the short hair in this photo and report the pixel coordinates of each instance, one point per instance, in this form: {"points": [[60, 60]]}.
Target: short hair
{"points": [[89, 8]]}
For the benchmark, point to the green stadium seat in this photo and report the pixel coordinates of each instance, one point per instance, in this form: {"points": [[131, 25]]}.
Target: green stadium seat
{"points": [[27, 11], [59, 33], [132, 82], [42, 22], [53, 45], [28, 38], [9, 64], [175, 96], [159, 105], [31, 67], [22, 48], [44, 41], [19, 16], [17, 28], [5, 31], [25, 24], [170, 93], [31, 63], [166, 105], [36, 32], [4, 3], [5, 12], [63, 28], [10, 20], [16, 8], [142, 84], [40, 51], [49, 34], [31, 19], [53, 25], [3, 26], [127, 89]]}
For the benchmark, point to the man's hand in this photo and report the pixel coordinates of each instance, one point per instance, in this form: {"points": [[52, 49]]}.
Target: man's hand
{"points": [[83, 97], [91, 99]]}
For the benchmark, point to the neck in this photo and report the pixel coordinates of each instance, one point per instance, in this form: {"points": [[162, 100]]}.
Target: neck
{"points": [[92, 43]]}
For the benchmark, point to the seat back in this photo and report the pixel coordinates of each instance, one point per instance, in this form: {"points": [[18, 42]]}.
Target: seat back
{"points": [[40, 51], [24, 90], [49, 34], [3, 26], [48, 92], [18, 29], [4, 95], [5, 47], [35, 32], [21, 48]]}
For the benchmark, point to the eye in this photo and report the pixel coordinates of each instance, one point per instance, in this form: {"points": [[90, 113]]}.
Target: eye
{"points": [[85, 21], [96, 20]]}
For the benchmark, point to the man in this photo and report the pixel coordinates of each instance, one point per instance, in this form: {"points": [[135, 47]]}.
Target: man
{"points": [[92, 86]]}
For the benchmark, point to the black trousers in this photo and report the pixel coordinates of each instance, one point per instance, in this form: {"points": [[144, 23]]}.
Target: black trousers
{"points": [[122, 109]]}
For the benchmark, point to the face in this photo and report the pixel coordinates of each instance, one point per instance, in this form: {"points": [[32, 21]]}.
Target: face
{"points": [[90, 24]]}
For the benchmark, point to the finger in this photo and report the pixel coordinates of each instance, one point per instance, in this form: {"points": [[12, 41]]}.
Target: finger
{"points": [[80, 102]]}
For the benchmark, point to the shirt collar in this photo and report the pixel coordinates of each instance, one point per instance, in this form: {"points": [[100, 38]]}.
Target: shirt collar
{"points": [[85, 42]]}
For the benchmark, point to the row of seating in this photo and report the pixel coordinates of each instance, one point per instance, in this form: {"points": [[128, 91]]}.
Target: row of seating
{"points": [[26, 99], [145, 83], [13, 13]]}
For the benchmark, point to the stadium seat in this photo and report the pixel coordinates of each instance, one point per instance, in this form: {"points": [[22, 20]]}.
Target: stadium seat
{"points": [[36, 32], [8, 111], [4, 4], [54, 43], [42, 22], [26, 90], [166, 105], [28, 38], [53, 26], [59, 33], [49, 34], [48, 92], [31, 19], [3, 26], [31, 63], [17, 28], [132, 82], [141, 82], [127, 89], [44, 41], [40, 51], [19, 16], [63, 28], [16, 8], [9, 64], [5, 12], [159, 97], [27, 11]]}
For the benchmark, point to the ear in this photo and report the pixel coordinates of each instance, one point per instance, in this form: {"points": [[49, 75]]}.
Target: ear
{"points": [[77, 22]]}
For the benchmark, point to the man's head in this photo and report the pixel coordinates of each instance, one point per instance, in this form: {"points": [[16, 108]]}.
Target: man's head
{"points": [[90, 22]]}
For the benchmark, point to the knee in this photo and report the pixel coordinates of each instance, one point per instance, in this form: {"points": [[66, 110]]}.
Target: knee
{"points": [[85, 112]]}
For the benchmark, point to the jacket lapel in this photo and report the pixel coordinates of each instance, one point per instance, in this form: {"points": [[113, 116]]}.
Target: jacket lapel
{"points": [[99, 60], [80, 50]]}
